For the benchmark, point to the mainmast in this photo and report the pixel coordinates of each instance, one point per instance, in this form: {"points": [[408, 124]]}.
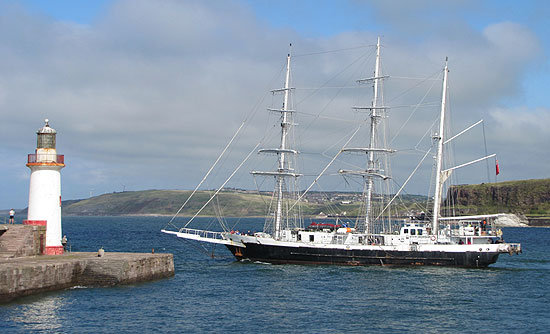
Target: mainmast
{"points": [[372, 144], [439, 138], [372, 171], [282, 154], [284, 168]]}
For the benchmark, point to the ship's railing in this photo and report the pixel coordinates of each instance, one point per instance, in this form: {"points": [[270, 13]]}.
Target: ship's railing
{"points": [[472, 227], [203, 233], [471, 231], [44, 157]]}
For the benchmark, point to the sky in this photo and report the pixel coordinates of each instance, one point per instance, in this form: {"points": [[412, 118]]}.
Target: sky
{"points": [[145, 94]]}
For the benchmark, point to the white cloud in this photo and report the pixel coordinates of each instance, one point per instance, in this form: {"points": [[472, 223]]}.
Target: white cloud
{"points": [[522, 135], [158, 87], [522, 126]]}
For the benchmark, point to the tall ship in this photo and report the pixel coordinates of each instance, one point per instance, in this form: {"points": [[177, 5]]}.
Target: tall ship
{"points": [[374, 236]]}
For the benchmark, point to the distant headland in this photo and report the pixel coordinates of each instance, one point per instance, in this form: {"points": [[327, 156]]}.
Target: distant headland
{"points": [[529, 199]]}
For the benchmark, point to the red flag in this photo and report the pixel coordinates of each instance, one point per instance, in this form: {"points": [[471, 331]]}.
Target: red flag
{"points": [[497, 169]]}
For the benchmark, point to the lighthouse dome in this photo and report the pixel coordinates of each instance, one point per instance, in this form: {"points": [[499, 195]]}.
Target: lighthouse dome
{"points": [[46, 136], [46, 128]]}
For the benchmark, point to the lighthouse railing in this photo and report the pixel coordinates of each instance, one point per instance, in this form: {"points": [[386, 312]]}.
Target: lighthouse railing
{"points": [[44, 157]]}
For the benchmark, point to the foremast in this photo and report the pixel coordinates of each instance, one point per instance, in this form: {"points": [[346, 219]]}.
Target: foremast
{"points": [[372, 172], [440, 177], [284, 167]]}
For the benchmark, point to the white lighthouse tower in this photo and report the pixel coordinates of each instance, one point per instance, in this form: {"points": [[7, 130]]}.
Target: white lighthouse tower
{"points": [[45, 189]]}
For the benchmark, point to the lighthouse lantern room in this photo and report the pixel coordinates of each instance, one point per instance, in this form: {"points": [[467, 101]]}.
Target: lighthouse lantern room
{"points": [[45, 188]]}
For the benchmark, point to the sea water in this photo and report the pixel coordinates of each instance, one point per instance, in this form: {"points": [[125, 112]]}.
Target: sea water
{"points": [[220, 295]]}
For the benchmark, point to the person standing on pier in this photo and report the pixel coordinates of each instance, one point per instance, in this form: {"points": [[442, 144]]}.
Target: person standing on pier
{"points": [[12, 215]]}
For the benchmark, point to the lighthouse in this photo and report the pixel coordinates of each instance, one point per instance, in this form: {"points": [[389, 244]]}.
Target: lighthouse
{"points": [[45, 188]]}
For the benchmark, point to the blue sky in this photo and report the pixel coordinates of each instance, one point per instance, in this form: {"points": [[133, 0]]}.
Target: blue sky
{"points": [[124, 81], [83, 12]]}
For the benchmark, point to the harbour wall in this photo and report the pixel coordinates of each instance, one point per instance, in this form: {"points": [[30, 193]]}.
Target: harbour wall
{"points": [[28, 275], [24, 271]]}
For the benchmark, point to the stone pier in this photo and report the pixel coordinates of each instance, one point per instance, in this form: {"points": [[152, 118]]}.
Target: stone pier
{"points": [[23, 272]]}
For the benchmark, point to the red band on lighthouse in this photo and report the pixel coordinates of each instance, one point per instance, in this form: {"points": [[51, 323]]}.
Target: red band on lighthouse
{"points": [[53, 250], [35, 222]]}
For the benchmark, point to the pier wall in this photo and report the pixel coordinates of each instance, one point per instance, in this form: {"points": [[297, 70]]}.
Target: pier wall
{"points": [[126, 268], [22, 240], [29, 275], [19, 280]]}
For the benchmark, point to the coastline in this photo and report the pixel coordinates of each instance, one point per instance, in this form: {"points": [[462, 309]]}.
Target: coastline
{"points": [[509, 220]]}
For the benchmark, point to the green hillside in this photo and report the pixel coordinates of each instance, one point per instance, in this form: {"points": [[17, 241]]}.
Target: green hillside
{"points": [[168, 202], [162, 202], [529, 197], [233, 203]]}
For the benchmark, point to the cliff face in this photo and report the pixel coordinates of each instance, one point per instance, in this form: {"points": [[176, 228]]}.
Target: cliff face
{"points": [[525, 196]]}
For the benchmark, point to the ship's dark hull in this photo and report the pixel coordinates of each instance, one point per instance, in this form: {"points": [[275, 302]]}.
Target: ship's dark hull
{"points": [[307, 255]]}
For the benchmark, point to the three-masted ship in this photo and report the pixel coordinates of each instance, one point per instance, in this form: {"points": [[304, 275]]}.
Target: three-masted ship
{"points": [[374, 239]]}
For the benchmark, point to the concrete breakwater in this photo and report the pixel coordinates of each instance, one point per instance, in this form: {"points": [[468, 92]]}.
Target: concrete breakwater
{"points": [[25, 271], [28, 275]]}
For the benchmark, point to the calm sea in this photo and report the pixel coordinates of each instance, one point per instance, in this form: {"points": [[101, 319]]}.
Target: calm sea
{"points": [[220, 295]]}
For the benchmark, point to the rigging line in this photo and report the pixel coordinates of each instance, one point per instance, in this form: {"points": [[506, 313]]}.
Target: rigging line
{"points": [[328, 87], [324, 153], [329, 207], [425, 133], [413, 78], [404, 184], [409, 151], [329, 80], [332, 51], [326, 167], [431, 127], [418, 84], [259, 192], [326, 117], [412, 114], [201, 249], [218, 209], [209, 171], [334, 97], [221, 187], [246, 119], [401, 199], [222, 221], [415, 105]]}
